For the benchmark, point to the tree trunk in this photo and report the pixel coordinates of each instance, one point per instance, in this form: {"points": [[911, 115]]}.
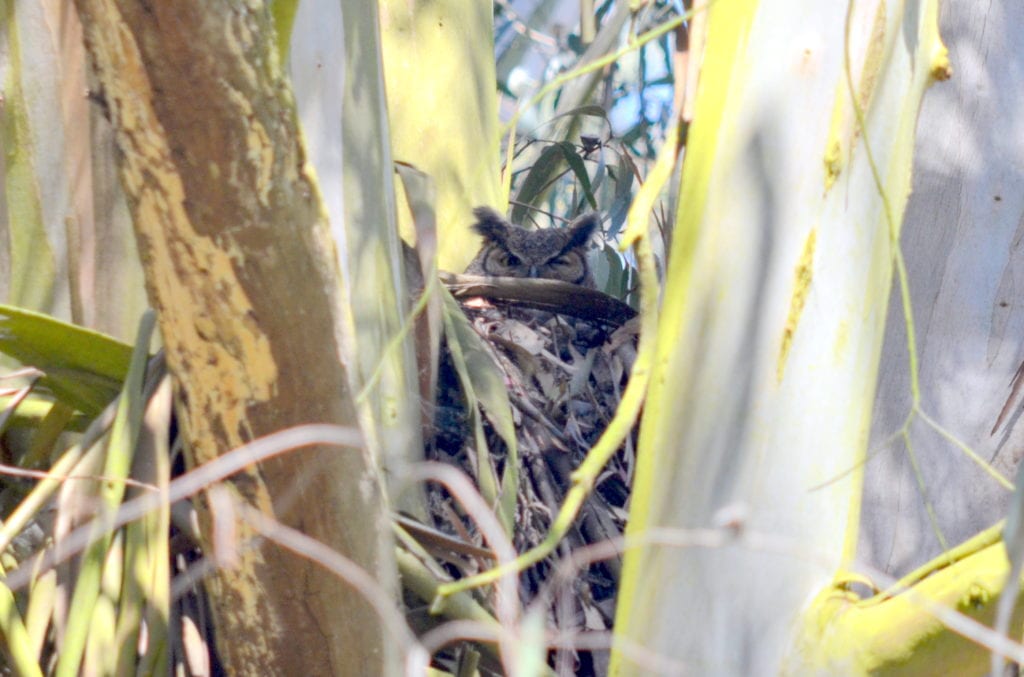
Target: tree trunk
{"points": [[240, 268], [775, 300], [962, 242]]}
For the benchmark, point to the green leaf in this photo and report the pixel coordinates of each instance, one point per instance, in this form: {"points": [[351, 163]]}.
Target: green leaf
{"points": [[284, 19], [84, 368], [623, 197], [579, 169], [483, 383], [547, 167], [120, 449], [537, 181], [17, 638]]}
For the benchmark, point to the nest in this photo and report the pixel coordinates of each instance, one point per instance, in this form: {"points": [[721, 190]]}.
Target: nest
{"points": [[564, 354]]}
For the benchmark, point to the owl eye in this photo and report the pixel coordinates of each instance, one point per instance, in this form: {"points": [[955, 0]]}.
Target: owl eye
{"points": [[559, 261], [512, 259]]}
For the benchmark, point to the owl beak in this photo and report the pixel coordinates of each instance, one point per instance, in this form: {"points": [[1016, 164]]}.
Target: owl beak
{"points": [[533, 272]]}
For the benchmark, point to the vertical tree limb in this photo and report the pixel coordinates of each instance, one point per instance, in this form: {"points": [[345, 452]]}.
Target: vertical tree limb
{"points": [[240, 268]]}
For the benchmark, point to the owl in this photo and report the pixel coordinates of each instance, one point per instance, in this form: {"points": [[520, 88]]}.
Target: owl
{"points": [[550, 253]]}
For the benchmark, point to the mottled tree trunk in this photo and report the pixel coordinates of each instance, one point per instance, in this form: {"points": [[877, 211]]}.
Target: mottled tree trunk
{"points": [[240, 267]]}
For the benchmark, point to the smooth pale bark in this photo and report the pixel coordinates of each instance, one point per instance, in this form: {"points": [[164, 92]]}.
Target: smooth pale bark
{"points": [[775, 301], [961, 238], [240, 268]]}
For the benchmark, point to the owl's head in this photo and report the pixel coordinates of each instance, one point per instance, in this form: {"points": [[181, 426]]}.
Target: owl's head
{"points": [[551, 253]]}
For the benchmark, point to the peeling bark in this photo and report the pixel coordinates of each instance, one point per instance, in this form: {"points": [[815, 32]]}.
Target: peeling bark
{"points": [[239, 266]]}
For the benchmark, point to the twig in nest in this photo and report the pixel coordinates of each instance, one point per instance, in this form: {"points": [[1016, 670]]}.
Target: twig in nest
{"points": [[551, 295]]}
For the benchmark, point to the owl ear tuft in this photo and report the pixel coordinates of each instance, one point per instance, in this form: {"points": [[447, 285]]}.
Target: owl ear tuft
{"points": [[490, 224], [581, 230]]}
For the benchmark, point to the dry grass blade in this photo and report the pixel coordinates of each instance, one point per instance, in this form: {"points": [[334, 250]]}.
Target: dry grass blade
{"points": [[192, 482]]}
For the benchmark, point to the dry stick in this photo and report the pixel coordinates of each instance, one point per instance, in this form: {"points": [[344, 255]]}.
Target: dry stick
{"points": [[459, 485], [191, 483], [542, 294], [15, 471], [17, 395], [273, 445], [229, 509]]}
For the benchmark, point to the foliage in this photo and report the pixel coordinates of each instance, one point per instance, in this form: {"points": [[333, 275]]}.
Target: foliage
{"points": [[96, 578], [122, 577], [83, 372]]}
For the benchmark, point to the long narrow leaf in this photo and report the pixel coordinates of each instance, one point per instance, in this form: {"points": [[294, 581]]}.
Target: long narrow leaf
{"points": [[83, 368], [483, 384], [146, 592], [123, 436], [16, 637]]}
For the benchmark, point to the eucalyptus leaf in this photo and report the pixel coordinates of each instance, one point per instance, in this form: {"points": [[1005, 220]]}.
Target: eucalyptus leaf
{"points": [[482, 383], [579, 169], [120, 448], [83, 368], [623, 196], [548, 164]]}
